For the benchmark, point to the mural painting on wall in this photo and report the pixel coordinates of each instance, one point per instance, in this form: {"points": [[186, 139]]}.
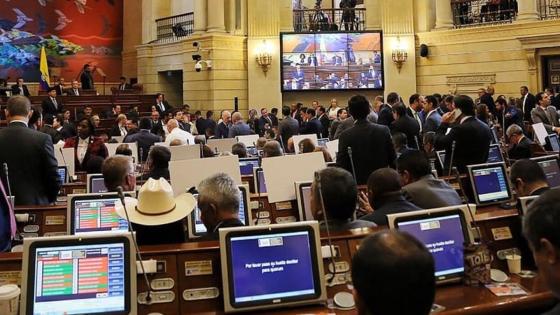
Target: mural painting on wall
{"points": [[73, 32]]}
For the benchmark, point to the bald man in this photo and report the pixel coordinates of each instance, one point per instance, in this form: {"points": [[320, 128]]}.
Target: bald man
{"points": [[239, 127], [222, 130], [175, 133]]}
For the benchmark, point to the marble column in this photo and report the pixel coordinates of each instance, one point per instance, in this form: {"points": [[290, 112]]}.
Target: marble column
{"points": [[200, 14], [444, 15], [216, 16], [527, 10]]}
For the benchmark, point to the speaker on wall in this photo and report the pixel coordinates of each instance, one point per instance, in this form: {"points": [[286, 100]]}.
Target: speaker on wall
{"points": [[236, 104], [424, 50]]}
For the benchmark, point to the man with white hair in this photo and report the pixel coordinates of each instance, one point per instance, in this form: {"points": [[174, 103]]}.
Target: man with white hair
{"points": [[176, 133], [222, 130], [239, 127], [218, 201]]}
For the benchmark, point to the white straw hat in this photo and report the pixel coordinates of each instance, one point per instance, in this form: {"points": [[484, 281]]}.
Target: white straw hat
{"points": [[155, 204]]}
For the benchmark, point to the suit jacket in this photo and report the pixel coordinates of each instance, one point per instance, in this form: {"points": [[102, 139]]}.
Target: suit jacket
{"points": [[274, 120], [385, 115], [184, 126], [538, 115], [71, 92], [30, 157], [287, 128], [68, 130], [115, 131], [87, 80], [472, 139], [222, 131], [16, 90], [432, 122], [127, 86], [332, 130], [49, 109], [49, 130], [429, 192], [145, 141], [346, 124], [311, 127], [60, 90], [161, 111], [527, 105], [95, 147], [8, 226], [263, 122], [372, 148], [390, 203], [239, 129], [325, 124], [409, 126], [521, 150], [489, 101], [410, 112]]}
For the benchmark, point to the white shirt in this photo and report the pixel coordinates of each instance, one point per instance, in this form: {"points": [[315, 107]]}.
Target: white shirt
{"points": [[76, 92], [82, 148], [123, 131], [178, 133], [333, 112]]}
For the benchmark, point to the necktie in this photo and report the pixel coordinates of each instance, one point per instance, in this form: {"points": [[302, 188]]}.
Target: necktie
{"points": [[76, 92], [13, 226], [55, 103], [549, 117], [418, 119]]}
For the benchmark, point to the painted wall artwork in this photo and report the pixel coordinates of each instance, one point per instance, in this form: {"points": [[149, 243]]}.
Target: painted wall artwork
{"points": [[74, 32]]}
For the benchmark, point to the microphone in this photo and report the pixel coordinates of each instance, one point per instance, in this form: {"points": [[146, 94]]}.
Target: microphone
{"points": [[352, 163], [140, 162], [12, 197], [258, 188], [64, 161], [417, 143], [138, 255], [327, 228], [477, 234], [451, 158]]}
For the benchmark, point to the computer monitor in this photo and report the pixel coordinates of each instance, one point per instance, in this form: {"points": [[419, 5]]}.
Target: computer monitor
{"points": [[525, 202], [95, 184], [552, 142], [258, 179], [303, 197], [490, 183], [246, 165], [322, 142], [62, 174], [441, 158], [495, 136], [197, 229], [79, 275], [94, 213], [551, 169], [253, 151], [444, 231], [271, 266], [495, 154]]}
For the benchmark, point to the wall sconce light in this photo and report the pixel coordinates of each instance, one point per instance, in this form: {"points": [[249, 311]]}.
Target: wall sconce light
{"points": [[264, 56], [399, 54]]}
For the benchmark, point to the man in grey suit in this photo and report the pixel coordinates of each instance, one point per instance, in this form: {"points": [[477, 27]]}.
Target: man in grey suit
{"points": [[239, 127], [433, 118], [420, 186], [29, 154], [288, 126], [545, 114]]}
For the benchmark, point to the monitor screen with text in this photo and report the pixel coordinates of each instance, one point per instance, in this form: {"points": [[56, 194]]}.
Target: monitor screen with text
{"points": [[246, 165], [494, 154], [96, 214], [551, 170], [490, 184]]}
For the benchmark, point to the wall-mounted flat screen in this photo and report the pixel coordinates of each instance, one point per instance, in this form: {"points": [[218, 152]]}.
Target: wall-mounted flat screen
{"points": [[332, 61]]}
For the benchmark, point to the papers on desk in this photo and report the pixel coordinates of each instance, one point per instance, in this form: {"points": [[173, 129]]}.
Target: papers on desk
{"points": [[540, 133], [506, 289]]}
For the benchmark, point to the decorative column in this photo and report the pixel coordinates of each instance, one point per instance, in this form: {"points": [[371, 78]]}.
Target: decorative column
{"points": [[216, 16], [200, 16], [527, 10], [444, 15]]}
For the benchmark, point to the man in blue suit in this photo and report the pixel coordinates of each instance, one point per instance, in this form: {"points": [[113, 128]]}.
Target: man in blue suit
{"points": [[299, 76], [433, 118], [144, 138]]}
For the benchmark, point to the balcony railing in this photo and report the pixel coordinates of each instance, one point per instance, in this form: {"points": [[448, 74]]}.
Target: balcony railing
{"points": [[174, 28], [549, 9], [467, 13], [329, 20]]}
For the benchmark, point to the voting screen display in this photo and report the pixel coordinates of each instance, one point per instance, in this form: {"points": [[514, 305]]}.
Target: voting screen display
{"points": [[246, 166], [494, 154], [96, 215], [61, 175], [200, 228], [97, 185], [490, 184], [82, 279], [272, 267], [551, 170], [444, 237]]}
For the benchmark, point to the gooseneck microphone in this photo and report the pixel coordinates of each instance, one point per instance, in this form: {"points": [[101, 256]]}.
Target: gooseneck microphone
{"points": [[64, 161], [477, 236], [12, 197], [138, 255], [451, 158], [349, 149]]}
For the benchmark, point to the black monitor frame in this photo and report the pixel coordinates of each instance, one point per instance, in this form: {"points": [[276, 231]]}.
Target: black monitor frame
{"points": [[66, 175], [547, 158], [497, 147], [71, 214], [249, 159], [502, 165]]}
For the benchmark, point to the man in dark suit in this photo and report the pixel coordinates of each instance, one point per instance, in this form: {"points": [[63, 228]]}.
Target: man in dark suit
{"points": [[295, 108], [222, 129], [528, 178], [325, 122], [50, 105], [123, 85], [75, 89], [119, 129], [386, 113], [312, 125], [419, 184], [60, 89], [50, 125], [416, 109], [486, 97], [407, 125], [87, 78], [20, 89], [274, 116], [371, 144], [204, 124], [30, 157], [144, 138], [470, 136], [162, 106], [288, 126], [528, 102], [8, 226], [520, 145], [543, 113], [264, 121]]}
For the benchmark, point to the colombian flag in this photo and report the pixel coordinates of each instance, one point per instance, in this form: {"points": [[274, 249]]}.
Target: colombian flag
{"points": [[44, 69]]}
